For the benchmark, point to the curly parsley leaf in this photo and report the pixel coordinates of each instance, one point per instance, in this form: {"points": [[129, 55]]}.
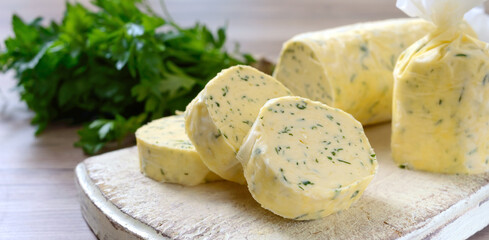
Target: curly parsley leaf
{"points": [[112, 69]]}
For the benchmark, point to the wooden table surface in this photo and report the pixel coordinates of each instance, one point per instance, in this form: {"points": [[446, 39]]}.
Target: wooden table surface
{"points": [[37, 195]]}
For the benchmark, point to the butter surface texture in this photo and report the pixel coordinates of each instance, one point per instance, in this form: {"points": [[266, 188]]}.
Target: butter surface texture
{"points": [[219, 118], [349, 67], [441, 111], [304, 160], [167, 155]]}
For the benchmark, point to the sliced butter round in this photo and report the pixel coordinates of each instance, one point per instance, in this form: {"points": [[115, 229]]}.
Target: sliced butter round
{"points": [[219, 118], [304, 160], [166, 154]]}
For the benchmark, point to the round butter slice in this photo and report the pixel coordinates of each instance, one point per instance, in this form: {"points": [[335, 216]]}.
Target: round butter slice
{"points": [[219, 118], [304, 160], [166, 154]]}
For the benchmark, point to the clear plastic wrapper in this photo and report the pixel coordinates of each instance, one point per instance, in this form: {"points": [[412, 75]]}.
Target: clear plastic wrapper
{"points": [[440, 117]]}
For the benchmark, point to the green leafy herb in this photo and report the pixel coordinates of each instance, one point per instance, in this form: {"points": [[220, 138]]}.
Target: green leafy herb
{"points": [[113, 69]]}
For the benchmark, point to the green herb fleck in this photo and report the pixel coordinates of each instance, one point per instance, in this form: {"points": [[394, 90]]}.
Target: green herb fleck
{"points": [[461, 94], [472, 151], [352, 78], [460, 55], [363, 48], [257, 151], [301, 106], [343, 161], [285, 130], [354, 194], [422, 46], [307, 182], [278, 149], [225, 91], [162, 172], [336, 193], [300, 216]]}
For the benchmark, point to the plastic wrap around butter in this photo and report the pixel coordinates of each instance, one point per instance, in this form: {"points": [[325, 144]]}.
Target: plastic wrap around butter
{"points": [[349, 67], [218, 119], [441, 94]]}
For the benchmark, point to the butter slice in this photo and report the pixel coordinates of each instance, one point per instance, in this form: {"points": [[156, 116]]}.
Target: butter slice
{"points": [[166, 154], [349, 67], [304, 160], [219, 118]]}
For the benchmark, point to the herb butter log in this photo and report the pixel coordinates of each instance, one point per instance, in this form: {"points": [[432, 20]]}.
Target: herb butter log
{"points": [[349, 67], [219, 118], [304, 160], [166, 154], [441, 98]]}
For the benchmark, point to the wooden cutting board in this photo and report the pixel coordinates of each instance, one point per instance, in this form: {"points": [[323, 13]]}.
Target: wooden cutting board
{"points": [[118, 202]]}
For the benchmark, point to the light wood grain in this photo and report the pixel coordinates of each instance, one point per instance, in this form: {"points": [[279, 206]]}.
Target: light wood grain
{"points": [[37, 195], [399, 203]]}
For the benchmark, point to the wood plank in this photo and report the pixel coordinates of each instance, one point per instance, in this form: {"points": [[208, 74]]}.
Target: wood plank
{"points": [[399, 203]]}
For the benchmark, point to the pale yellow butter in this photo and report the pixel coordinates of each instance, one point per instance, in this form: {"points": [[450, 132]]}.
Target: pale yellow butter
{"points": [[349, 67], [304, 160], [441, 104], [219, 118], [167, 155]]}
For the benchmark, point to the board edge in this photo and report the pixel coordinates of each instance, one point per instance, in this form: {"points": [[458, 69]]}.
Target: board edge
{"points": [[105, 219], [459, 213]]}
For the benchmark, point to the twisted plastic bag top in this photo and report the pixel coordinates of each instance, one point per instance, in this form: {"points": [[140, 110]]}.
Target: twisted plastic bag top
{"points": [[443, 13]]}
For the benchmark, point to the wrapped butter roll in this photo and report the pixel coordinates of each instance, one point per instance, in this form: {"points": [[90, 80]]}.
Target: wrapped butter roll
{"points": [[304, 160], [166, 154], [441, 95], [349, 67]]}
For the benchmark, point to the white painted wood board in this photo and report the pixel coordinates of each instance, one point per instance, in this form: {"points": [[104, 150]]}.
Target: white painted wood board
{"points": [[118, 202]]}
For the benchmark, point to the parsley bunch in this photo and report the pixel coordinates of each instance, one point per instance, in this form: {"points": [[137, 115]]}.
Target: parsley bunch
{"points": [[112, 69]]}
